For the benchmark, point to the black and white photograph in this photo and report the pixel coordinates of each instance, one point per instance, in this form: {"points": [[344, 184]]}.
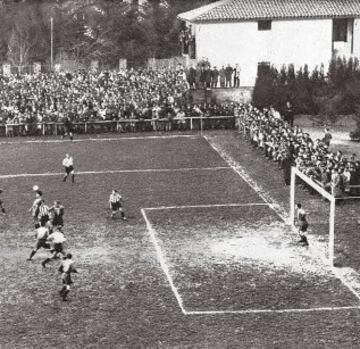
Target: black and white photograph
{"points": [[180, 174]]}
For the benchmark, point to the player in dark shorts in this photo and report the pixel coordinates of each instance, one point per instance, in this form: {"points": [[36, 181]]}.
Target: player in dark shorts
{"points": [[41, 240], [68, 128], [56, 239], [68, 164], [43, 214], [57, 215], [2, 209], [302, 224], [36, 205], [115, 202], [66, 269]]}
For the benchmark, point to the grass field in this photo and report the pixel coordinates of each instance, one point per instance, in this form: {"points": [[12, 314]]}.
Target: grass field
{"points": [[205, 260]]}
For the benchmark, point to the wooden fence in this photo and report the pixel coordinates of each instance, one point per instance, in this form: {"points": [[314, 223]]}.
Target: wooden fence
{"points": [[198, 123]]}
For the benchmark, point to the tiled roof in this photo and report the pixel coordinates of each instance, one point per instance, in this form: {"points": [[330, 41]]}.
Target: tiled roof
{"points": [[241, 10]]}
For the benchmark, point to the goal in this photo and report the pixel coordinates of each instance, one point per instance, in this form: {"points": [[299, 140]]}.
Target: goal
{"points": [[324, 213]]}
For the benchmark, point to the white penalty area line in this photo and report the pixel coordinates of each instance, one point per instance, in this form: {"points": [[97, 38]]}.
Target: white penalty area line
{"points": [[204, 206], [102, 139], [161, 259], [270, 311], [147, 170]]}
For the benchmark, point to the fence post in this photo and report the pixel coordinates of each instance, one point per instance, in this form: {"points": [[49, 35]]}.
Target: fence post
{"points": [[86, 127], [43, 129], [191, 124]]}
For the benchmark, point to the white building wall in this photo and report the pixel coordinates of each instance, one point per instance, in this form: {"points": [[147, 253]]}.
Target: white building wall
{"points": [[356, 39], [297, 42]]}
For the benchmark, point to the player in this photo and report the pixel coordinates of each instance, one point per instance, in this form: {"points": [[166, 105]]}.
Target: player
{"points": [[115, 202], [56, 239], [66, 269], [43, 214], [68, 128], [57, 214], [36, 204], [68, 163], [302, 224], [41, 240], [1, 204]]}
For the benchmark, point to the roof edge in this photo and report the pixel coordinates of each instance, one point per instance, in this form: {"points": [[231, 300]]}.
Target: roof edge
{"points": [[192, 15], [253, 19]]}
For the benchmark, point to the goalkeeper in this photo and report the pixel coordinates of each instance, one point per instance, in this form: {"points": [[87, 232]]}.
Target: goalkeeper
{"points": [[302, 224]]}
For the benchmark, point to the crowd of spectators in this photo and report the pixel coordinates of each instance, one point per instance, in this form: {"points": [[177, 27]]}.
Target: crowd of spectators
{"points": [[287, 146], [87, 97]]}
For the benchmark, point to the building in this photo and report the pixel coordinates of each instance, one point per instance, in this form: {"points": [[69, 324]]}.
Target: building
{"points": [[254, 33]]}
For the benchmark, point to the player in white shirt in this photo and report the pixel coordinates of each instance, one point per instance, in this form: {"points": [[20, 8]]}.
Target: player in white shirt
{"points": [[42, 233], [57, 240], [68, 164], [66, 269]]}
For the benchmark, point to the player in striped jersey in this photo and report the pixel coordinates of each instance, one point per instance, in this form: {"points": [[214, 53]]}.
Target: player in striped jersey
{"points": [[66, 269], [36, 205], [68, 163], [42, 233], [115, 202], [43, 214]]}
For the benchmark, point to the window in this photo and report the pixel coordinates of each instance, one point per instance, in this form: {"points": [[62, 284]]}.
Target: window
{"points": [[264, 25], [340, 27]]}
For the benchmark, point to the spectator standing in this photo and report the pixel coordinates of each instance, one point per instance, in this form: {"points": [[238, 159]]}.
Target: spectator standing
{"points": [[228, 75], [207, 73], [202, 77], [192, 77], [289, 114], [214, 78], [198, 77], [327, 137], [222, 77], [237, 76]]}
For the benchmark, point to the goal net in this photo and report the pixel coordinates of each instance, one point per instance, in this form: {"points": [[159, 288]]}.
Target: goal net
{"points": [[333, 221]]}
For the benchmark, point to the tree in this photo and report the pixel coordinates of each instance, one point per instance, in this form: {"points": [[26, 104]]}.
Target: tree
{"points": [[26, 41]]}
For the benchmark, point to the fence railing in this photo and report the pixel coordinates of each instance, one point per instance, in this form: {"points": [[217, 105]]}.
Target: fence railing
{"points": [[198, 123]]}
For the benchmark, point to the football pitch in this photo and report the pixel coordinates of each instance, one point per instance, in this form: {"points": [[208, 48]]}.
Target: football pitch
{"points": [[205, 260]]}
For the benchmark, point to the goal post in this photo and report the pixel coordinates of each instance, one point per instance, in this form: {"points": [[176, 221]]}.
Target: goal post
{"points": [[296, 173]]}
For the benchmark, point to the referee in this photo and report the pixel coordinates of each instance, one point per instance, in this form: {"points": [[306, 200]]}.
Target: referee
{"points": [[68, 163]]}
